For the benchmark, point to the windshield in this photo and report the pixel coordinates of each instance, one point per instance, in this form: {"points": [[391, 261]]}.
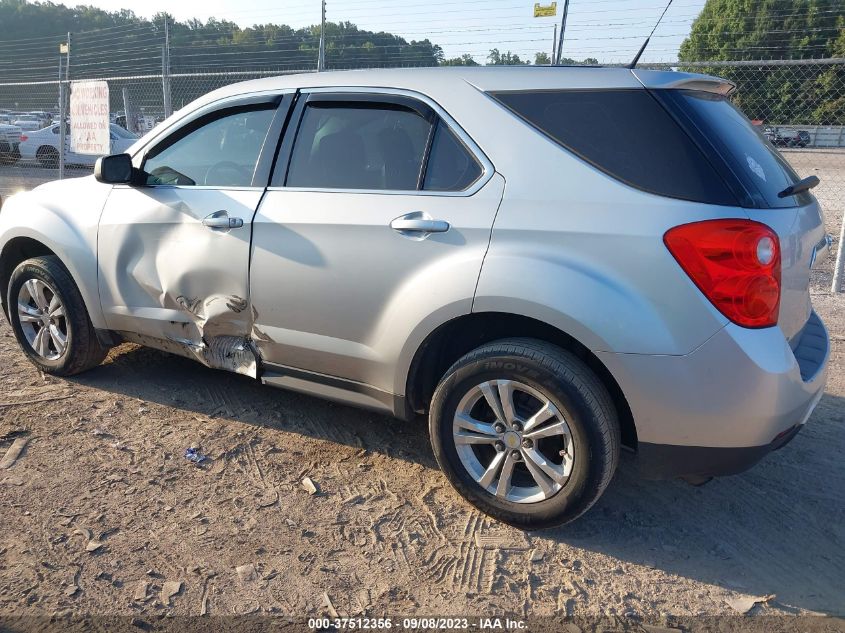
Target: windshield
{"points": [[122, 132]]}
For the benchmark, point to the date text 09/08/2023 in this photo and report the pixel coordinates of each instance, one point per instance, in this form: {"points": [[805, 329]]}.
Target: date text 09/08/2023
{"points": [[411, 624]]}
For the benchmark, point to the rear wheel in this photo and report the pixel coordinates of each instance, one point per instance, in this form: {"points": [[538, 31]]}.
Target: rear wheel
{"points": [[49, 318], [525, 432], [47, 156]]}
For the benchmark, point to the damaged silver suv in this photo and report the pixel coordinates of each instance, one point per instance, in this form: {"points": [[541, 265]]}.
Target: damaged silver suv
{"points": [[549, 263]]}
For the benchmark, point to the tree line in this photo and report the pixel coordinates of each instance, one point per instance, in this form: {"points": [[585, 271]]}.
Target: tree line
{"points": [[775, 30], [108, 43]]}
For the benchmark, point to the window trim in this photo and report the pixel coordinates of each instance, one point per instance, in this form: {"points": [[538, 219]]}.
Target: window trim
{"points": [[281, 100], [407, 98]]}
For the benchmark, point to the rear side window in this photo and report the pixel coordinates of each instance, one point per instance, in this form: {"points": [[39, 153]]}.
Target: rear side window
{"points": [[759, 167], [628, 135]]}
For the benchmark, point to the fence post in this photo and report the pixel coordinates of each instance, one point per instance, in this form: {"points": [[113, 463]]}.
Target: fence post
{"points": [[165, 70], [64, 97], [838, 273], [61, 119], [321, 53]]}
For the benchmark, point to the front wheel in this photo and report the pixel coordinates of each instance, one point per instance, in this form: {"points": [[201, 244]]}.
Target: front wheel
{"points": [[49, 318], [526, 432]]}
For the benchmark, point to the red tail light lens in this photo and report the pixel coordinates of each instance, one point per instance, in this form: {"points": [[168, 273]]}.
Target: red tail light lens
{"points": [[735, 263], [23, 137]]}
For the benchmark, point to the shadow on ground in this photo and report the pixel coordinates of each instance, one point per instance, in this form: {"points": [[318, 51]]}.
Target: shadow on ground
{"points": [[776, 529]]}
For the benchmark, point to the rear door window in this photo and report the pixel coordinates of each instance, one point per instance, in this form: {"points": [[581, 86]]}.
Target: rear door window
{"points": [[628, 135], [375, 142], [359, 146]]}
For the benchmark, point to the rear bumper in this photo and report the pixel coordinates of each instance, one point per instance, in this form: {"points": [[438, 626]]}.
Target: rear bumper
{"points": [[664, 461], [722, 408]]}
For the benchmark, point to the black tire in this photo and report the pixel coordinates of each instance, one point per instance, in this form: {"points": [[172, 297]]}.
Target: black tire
{"points": [[47, 156], [83, 350], [567, 383]]}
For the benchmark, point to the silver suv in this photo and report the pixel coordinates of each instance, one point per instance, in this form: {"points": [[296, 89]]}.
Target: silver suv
{"points": [[549, 263]]}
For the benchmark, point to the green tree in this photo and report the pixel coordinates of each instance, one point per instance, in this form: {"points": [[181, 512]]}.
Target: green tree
{"points": [[495, 58], [775, 29], [131, 45], [464, 60], [589, 61], [542, 59]]}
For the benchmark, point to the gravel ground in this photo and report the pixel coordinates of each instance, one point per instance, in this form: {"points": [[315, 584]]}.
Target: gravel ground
{"points": [[102, 514]]}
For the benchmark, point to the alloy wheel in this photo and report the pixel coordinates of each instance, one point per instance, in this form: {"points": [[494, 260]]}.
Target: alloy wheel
{"points": [[513, 441], [42, 319]]}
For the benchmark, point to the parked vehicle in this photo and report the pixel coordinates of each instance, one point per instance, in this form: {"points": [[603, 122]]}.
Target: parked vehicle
{"points": [[28, 123], [10, 138], [771, 135], [43, 117], [550, 263], [802, 138], [785, 137], [43, 146]]}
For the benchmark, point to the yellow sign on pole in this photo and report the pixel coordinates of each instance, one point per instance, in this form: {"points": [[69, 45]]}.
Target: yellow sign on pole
{"points": [[63, 48], [545, 11]]}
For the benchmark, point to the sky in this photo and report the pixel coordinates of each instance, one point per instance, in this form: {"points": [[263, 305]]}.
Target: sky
{"points": [[609, 30]]}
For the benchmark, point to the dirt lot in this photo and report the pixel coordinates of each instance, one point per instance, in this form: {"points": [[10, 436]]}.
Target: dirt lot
{"points": [[101, 512]]}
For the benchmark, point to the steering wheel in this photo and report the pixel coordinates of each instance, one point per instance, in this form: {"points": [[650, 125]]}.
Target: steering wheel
{"points": [[227, 173]]}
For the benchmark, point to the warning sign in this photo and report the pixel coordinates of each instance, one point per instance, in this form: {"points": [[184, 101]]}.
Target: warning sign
{"points": [[89, 118], [545, 11]]}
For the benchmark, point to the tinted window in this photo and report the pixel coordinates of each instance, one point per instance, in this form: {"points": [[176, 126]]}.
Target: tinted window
{"points": [[223, 152], [351, 146], [628, 135], [757, 164], [450, 165]]}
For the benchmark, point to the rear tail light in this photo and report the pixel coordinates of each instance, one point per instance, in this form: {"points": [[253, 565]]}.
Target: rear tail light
{"points": [[735, 263], [23, 137]]}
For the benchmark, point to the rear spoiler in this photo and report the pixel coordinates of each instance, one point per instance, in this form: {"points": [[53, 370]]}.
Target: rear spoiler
{"points": [[667, 79]]}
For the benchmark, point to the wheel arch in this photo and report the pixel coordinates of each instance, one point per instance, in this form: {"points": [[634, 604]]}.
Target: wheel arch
{"points": [[15, 251], [451, 340]]}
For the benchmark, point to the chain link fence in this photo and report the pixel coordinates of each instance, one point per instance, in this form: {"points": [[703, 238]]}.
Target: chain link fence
{"points": [[799, 106]]}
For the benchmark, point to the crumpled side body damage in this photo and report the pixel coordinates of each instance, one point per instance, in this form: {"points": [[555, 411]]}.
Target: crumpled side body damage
{"points": [[217, 333]]}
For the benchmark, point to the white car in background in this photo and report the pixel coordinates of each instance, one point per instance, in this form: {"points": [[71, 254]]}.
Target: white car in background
{"points": [[45, 118], [43, 146], [28, 123]]}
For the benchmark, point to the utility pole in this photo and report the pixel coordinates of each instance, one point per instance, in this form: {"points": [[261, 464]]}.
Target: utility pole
{"points": [[554, 45], [562, 31], [321, 56], [165, 69]]}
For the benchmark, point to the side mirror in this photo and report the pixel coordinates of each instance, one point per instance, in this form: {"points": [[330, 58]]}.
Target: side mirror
{"points": [[114, 170]]}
